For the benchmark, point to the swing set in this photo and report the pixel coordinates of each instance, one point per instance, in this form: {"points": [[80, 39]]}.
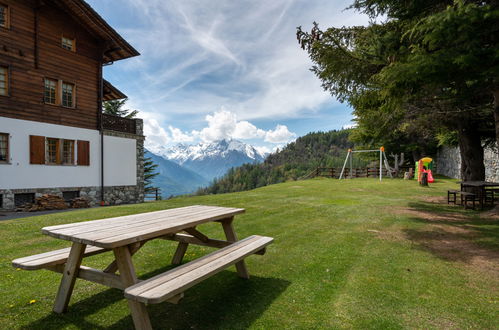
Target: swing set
{"points": [[382, 159]]}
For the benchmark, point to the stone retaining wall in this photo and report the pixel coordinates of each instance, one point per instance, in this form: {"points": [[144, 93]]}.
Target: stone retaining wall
{"points": [[448, 162]]}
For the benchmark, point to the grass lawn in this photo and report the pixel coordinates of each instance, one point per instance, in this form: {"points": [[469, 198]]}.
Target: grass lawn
{"points": [[347, 254]]}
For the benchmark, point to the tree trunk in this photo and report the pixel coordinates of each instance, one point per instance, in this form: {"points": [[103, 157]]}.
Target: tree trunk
{"points": [[496, 114], [470, 147]]}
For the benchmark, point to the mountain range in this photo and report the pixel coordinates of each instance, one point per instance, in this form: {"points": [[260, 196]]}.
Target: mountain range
{"points": [[185, 168]]}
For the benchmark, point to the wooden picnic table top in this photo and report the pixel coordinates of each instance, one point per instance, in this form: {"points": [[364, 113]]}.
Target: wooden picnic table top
{"points": [[119, 231], [479, 183]]}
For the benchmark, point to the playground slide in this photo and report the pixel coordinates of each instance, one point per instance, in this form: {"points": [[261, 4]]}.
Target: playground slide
{"points": [[430, 176]]}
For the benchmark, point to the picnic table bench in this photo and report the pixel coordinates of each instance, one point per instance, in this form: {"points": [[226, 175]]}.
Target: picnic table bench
{"points": [[482, 191], [126, 235]]}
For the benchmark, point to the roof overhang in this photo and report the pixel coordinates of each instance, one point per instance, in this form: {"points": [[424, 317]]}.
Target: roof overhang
{"points": [[115, 48], [111, 92]]}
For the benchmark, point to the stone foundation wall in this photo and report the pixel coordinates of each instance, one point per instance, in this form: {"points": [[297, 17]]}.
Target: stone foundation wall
{"points": [[449, 163], [112, 195]]}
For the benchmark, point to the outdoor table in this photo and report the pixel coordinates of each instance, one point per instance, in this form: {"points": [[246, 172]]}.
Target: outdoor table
{"points": [[125, 236], [479, 187]]}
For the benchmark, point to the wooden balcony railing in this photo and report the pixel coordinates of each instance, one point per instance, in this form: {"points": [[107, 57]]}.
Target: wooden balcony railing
{"points": [[119, 124]]}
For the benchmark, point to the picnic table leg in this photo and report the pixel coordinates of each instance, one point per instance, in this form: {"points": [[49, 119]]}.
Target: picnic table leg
{"points": [[113, 266], [231, 236], [128, 278], [179, 253], [69, 277]]}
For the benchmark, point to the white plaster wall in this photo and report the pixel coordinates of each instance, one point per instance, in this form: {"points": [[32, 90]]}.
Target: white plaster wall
{"points": [[120, 164], [20, 174]]}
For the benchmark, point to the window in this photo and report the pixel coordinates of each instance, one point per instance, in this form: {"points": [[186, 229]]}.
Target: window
{"points": [[4, 148], [67, 94], [52, 151], [68, 44], [4, 81], [22, 199], [50, 95], [58, 92], [68, 147], [46, 150], [4, 16]]}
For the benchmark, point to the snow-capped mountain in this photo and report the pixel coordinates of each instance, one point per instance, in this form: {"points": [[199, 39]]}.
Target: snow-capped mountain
{"points": [[212, 160]]}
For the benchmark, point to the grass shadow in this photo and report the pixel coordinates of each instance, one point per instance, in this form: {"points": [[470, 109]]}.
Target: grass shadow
{"points": [[224, 300], [454, 234]]}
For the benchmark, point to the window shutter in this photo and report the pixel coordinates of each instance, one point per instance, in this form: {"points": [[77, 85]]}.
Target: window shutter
{"points": [[36, 149], [58, 155], [83, 153]]}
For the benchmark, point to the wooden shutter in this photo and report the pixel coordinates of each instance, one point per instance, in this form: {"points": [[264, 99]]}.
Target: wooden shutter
{"points": [[58, 155], [83, 153], [36, 149]]}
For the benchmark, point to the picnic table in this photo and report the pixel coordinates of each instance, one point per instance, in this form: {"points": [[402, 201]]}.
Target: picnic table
{"points": [[126, 235], [480, 189]]}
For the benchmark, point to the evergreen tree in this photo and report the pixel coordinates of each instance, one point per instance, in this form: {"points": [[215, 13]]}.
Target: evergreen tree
{"points": [[149, 172], [115, 108], [429, 67]]}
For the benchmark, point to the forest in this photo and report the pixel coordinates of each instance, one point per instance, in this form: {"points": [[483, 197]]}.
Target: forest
{"points": [[296, 160]]}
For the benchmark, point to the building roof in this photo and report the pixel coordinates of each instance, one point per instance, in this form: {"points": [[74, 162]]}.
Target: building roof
{"points": [[117, 47], [111, 92]]}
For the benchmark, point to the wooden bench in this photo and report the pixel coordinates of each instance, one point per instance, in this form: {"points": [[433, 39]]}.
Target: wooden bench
{"points": [[52, 258], [173, 283], [453, 193], [467, 196]]}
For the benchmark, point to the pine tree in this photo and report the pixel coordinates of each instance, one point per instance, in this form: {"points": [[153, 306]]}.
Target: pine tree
{"points": [[149, 172], [115, 108]]}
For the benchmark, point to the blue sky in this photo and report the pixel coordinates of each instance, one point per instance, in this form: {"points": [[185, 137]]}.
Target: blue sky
{"points": [[224, 68]]}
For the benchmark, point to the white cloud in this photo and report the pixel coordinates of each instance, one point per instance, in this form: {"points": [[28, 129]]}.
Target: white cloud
{"points": [[281, 134], [221, 124], [156, 136], [198, 56], [245, 130], [180, 137]]}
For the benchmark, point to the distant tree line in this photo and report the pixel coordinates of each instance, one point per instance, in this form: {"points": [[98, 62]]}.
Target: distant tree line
{"points": [[297, 159]]}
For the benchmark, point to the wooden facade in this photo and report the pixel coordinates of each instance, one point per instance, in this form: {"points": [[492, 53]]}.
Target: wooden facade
{"points": [[31, 49]]}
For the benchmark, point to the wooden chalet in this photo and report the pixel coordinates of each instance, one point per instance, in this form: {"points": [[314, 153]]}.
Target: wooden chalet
{"points": [[53, 135]]}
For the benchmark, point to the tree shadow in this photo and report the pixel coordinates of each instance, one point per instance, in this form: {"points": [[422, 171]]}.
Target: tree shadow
{"points": [[455, 234], [223, 300]]}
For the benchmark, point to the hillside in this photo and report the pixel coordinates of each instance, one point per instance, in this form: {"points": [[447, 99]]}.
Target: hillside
{"points": [[297, 159], [174, 179], [350, 254]]}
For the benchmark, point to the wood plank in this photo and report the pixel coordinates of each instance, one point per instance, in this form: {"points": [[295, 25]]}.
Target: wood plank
{"points": [[134, 248], [188, 267], [128, 278], [143, 219], [179, 253], [117, 220], [148, 233], [193, 240], [114, 232], [69, 277], [114, 224], [94, 275], [99, 233], [55, 257], [178, 280], [196, 233], [230, 233]]}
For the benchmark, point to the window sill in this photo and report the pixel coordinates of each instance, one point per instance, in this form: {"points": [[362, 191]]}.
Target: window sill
{"points": [[58, 105], [50, 164], [5, 163]]}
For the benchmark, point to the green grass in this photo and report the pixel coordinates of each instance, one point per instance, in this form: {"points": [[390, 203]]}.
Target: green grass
{"points": [[347, 254]]}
